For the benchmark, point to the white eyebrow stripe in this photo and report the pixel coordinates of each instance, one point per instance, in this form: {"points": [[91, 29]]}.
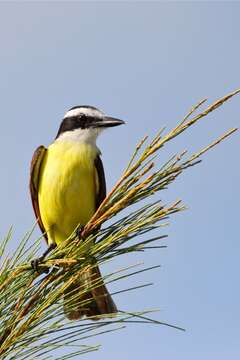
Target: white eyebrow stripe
{"points": [[85, 111]]}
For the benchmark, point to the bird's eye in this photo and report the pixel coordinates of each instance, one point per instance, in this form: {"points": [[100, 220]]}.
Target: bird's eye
{"points": [[83, 120]]}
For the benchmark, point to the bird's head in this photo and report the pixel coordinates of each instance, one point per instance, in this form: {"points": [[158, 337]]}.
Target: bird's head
{"points": [[85, 123]]}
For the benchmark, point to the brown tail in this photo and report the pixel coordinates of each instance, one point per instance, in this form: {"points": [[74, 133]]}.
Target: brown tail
{"points": [[90, 302]]}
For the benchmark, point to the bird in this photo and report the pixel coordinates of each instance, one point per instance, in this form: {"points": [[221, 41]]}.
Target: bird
{"points": [[67, 185]]}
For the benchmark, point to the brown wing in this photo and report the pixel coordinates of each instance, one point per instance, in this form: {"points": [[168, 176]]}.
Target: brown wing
{"points": [[100, 181], [36, 162]]}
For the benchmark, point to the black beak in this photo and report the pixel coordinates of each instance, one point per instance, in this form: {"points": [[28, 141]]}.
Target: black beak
{"points": [[108, 122]]}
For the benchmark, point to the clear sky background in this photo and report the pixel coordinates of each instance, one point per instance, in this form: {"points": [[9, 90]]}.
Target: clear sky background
{"points": [[147, 63]]}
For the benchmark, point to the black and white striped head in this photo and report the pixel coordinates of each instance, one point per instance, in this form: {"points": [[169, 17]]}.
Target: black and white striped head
{"points": [[84, 123]]}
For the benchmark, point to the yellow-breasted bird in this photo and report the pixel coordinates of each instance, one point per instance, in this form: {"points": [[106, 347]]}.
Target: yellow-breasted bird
{"points": [[67, 185]]}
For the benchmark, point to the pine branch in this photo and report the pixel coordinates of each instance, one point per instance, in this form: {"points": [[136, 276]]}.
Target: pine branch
{"points": [[32, 323]]}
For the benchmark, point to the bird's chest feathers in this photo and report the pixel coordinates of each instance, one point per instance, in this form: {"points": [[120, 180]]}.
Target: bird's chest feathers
{"points": [[69, 165], [67, 191]]}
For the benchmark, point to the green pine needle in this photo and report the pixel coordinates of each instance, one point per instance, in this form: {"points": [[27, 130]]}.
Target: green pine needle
{"points": [[32, 323]]}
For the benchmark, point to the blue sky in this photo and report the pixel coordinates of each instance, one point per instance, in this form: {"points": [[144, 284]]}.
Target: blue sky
{"points": [[147, 63]]}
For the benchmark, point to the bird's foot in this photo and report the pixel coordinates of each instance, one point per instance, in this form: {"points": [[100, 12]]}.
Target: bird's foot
{"points": [[79, 232], [35, 265], [35, 262]]}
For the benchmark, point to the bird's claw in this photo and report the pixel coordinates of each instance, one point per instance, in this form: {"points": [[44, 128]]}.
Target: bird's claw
{"points": [[79, 232], [35, 266]]}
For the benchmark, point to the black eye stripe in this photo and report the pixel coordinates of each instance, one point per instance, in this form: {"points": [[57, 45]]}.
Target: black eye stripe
{"points": [[84, 121], [81, 121]]}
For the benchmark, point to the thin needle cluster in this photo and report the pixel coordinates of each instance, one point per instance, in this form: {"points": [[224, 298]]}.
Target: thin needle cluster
{"points": [[32, 323]]}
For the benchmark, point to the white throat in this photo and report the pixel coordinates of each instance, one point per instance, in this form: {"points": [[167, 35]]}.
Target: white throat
{"points": [[88, 136]]}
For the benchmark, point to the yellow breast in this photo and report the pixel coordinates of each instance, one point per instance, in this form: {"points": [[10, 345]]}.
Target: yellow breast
{"points": [[67, 188]]}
